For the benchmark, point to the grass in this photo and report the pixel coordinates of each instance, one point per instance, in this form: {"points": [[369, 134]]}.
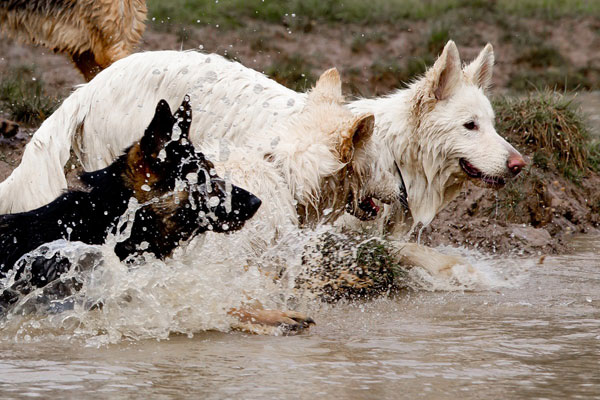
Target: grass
{"points": [[549, 124], [231, 13], [292, 71], [23, 98]]}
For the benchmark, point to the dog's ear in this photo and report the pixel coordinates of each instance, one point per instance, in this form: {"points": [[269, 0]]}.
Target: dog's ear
{"points": [[158, 132], [359, 134], [183, 116], [328, 88], [480, 70], [445, 74]]}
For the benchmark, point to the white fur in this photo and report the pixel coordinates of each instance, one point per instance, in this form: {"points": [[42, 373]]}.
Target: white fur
{"points": [[419, 128]]}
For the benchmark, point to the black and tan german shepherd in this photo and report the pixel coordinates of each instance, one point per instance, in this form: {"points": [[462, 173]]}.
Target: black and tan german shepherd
{"points": [[173, 190]]}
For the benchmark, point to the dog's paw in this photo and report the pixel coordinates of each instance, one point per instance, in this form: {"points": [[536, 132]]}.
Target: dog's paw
{"points": [[8, 128], [271, 322]]}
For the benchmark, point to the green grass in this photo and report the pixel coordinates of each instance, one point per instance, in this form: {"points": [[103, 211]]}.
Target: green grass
{"points": [[231, 13], [23, 98], [292, 71], [550, 126]]}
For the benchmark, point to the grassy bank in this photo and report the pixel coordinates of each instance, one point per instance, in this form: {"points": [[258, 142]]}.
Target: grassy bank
{"points": [[231, 13]]}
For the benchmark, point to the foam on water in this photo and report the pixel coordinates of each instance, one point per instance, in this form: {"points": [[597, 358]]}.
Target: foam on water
{"points": [[479, 272]]}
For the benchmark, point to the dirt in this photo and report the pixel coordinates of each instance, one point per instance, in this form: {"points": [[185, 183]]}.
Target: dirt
{"points": [[373, 61]]}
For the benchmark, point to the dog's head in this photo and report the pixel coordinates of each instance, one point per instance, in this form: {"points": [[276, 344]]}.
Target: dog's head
{"points": [[446, 134], [177, 186], [456, 119], [323, 152]]}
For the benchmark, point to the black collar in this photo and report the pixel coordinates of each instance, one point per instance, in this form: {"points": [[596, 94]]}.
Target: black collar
{"points": [[403, 197]]}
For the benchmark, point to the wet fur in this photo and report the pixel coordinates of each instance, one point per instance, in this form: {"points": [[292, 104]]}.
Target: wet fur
{"points": [[166, 216], [418, 131], [94, 33]]}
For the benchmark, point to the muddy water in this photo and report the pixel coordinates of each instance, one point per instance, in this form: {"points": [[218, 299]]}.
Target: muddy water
{"points": [[533, 333]]}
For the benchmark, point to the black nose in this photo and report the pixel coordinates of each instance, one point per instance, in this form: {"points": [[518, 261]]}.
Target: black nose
{"points": [[244, 202]]}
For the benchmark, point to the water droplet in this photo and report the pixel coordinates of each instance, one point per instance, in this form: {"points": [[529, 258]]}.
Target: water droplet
{"points": [[176, 132], [162, 156], [266, 104], [192, 177], [211, 76], [327, 211], [291, 102], [156, 71], [146, 188], [213, 201], [258, 88], [225, 227]]}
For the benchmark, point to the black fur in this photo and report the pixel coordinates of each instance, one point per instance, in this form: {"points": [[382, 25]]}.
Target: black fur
{"points": [[173, 207]]}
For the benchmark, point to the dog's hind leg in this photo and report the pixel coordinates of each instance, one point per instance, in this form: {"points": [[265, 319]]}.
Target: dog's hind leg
{"points": [[270, 322], [87, 65]]}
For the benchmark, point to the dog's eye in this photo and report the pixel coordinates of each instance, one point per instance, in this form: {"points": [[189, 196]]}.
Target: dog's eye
{"points": [[471, 125]]}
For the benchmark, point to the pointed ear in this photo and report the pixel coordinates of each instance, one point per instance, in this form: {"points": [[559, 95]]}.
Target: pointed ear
{"points": [[445, 74], [359, 134], [328, 87], [158, 132], [183, 116], [480, 70]]}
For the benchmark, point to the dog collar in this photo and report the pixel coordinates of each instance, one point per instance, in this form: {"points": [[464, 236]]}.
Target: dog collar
{"points": [[403, 197]]}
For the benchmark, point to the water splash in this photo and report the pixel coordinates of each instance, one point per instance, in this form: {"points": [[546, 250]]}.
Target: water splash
{"points": [[193, 290]]}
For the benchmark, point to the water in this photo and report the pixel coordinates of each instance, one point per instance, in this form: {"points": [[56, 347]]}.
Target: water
{"points": [[534, 332]]}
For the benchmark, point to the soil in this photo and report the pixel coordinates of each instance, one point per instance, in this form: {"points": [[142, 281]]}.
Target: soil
{"points": [[372, 61]]}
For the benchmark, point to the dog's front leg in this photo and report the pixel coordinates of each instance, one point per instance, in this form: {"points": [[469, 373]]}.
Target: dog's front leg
{"points": [[434, 262], [270, 322]]}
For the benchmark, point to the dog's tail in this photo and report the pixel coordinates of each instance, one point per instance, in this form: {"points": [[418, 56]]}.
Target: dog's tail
{"points": [[40, 177]]}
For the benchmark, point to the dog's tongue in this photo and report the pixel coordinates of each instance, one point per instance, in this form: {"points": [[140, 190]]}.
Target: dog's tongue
{"points": [[369, 206]]}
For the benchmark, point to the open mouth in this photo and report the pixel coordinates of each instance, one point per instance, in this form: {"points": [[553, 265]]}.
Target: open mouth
{"points": [[474, 173], [368, 206], [367, 210]]}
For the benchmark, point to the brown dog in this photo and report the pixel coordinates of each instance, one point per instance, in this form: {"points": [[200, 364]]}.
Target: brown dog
{"points": [[95, 33]]}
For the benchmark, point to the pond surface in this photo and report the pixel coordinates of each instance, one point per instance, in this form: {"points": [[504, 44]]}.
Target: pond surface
{"points": [[539, 337]]}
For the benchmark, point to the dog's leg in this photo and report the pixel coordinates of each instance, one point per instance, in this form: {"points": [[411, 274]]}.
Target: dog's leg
{"points": [[270, 322], [8, 128], [429, 259], [87, 65]]}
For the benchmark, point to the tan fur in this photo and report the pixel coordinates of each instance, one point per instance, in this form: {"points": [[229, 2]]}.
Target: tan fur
{"points": [[106, 30], [139, 175]]}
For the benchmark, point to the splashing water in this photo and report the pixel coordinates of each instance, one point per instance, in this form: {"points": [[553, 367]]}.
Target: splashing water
{"points": [[190, 292]]}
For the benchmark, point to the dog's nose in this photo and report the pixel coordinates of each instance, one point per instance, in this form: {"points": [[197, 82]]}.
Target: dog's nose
{"points": [[244, 202], [515, 163]]}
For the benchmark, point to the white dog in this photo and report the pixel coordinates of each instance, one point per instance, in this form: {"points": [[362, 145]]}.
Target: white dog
{"points": [[436, 134]]}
